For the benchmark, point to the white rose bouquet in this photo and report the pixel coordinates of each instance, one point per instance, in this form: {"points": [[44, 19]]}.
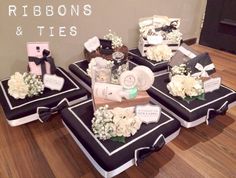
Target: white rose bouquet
{"points": [[187, 87], [115, 124], [159, 53], [22, 85], [17, 86]]}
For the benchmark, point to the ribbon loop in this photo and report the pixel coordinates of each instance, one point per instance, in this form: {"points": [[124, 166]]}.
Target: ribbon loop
{"points": [[212, 113], [45, 113], [42, 61], [203, 70], [141, 153]]}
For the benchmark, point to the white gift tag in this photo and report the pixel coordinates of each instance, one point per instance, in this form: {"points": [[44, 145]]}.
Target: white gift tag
{"points": [[154, 40], [148, 113], [53, 82], [92, 44], [212, 84]]}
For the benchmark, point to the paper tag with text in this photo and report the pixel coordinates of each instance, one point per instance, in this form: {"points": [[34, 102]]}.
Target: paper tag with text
{"points": [[212, 84], [53, 82], [148, 113]]}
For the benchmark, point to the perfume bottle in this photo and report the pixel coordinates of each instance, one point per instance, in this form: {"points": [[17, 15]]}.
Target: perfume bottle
{"points": [[120, 65]]}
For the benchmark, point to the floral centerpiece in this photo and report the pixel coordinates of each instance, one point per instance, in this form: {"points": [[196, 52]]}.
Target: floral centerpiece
{"points": [[26, 84], [115, 124], [159, 53], [186, 87]]}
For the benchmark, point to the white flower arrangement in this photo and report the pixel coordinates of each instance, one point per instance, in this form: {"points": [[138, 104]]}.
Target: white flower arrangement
{"points": [[116, 40], [175, 36], [17, 86], [99, 62], [186, 87], [22, 85], [159, 53], [115, 124], [34, 83], [179, 70]]}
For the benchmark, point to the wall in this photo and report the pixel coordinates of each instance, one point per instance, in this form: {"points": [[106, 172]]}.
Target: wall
{"points": [[120, 16]]}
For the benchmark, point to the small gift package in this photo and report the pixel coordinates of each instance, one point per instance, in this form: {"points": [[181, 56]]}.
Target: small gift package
{"points": [[159, 30], [40, 61], [183, 54], [201, 66], [104, 47]]}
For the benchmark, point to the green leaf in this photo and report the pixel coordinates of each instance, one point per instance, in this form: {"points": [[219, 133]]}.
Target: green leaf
{"points": [[201, 97], [120, 139]]}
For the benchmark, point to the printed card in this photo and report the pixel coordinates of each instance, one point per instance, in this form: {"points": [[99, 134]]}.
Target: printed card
{"points": [[148, 113]]}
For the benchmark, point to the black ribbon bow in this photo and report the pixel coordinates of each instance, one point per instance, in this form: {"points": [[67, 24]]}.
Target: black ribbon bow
{"points": [[142, 153], [168, 28], [41, 61], [212, 113], [45, 113]]}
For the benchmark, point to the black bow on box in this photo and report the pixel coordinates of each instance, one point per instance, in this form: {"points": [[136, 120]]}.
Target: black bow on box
{"points": [[41, 61], [141, 153], [212, 113], [45, 113]]}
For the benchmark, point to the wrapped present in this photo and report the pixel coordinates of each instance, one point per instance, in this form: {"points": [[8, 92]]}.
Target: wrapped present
{"points": [[183, 54], [104, 47], [201, 66], [42, 65], [158, 30]]}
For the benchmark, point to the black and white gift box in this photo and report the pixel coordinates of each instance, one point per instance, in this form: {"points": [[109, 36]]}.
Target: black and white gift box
{"points": [[197, 111], [21, 111], [201, 66], [111, 158], [183, 54]]}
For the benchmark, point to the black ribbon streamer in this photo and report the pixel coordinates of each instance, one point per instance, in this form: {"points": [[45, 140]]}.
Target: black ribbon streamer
{"points": [[142, 153], [212, 113], [45, 113], [41, 61]]}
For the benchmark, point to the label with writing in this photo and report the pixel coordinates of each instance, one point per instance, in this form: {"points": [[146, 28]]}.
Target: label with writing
{"points": [[212, 84], [148, 113], [53, 82]]}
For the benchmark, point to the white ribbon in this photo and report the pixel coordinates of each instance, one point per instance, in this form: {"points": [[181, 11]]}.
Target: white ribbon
{"points": [[187, 52], [203, 70]]}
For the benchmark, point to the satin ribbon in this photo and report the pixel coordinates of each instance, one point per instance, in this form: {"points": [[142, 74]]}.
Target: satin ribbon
{"points": [[186, 52], [212, 113], [41, 61], [141, 153], [45, 113], [203, 70]]}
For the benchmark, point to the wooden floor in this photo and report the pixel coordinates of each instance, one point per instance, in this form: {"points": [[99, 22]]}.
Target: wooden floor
{"points": [[47, 150]]}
